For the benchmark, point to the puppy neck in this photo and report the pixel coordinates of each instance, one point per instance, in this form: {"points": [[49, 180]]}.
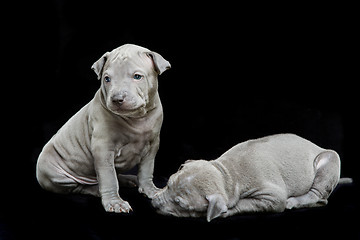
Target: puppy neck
{"points": [[220, 167], [231, 185], [224, 172]]}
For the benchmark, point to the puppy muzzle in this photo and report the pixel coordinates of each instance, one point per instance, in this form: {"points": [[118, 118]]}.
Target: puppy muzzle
{"points": [[118, 99]]}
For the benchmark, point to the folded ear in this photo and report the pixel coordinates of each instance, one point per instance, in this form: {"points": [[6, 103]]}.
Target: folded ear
{"points": [[160, 64], [99, 65], [216, 207], [189, 161]]}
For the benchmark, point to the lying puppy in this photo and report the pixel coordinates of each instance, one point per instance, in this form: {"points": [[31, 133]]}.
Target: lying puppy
{"points": [[117, 130], [269, 174]]}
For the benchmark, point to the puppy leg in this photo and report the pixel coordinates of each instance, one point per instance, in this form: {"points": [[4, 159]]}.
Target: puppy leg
{"points": [[53, 178], [267, 200], [327, 175], [50, 176], [56, 180], [87, 189], [127, 180]]}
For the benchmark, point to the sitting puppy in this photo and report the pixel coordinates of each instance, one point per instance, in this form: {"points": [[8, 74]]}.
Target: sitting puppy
{"points": [[269, 174], [117, 130]]}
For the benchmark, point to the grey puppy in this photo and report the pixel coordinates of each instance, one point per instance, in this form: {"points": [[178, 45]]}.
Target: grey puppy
{"points": [[117, 130], [269, 174]]}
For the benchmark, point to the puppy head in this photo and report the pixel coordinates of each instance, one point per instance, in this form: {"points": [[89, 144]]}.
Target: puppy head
{"points": [[128, 77], [196, 190]]}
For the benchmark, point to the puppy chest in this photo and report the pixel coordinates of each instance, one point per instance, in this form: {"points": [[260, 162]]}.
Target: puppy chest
{"points": [[129, 155]]}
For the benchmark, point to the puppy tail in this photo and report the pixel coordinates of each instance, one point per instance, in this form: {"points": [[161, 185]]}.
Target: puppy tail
{"points": [[345, 181]]}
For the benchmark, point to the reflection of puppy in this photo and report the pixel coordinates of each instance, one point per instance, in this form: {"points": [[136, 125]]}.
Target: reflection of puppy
{"points": [[266, 174], [118, 129]]}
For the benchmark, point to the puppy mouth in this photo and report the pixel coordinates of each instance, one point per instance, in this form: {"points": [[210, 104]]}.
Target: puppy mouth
{"points": [[160, 209], [128, 111], [168, 212]]}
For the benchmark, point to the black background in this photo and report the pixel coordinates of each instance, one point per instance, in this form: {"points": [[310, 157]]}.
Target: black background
{"points": [[238, 72]]}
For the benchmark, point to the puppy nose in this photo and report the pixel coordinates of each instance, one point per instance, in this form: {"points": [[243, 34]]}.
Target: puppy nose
{"points": [[118, 98]]}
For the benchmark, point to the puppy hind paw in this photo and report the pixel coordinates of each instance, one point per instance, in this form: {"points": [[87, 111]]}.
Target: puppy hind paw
{"points": [[292, 203], [310, 199]]}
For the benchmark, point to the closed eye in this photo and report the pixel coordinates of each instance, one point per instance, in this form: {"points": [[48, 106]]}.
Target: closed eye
{"points": [[179, 201]]}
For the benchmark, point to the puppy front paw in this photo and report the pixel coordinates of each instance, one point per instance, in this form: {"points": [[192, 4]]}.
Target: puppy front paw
{"points": [[116, 205], [149, 191]]}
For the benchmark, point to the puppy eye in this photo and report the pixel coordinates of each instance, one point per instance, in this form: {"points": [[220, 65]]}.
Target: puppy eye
{"points": [[138, 76], [107, 79]]}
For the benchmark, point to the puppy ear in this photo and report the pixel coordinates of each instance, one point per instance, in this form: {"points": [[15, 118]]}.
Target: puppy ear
{"points": [[189, 161], [216, 207], [99, 65], [160, 64]]}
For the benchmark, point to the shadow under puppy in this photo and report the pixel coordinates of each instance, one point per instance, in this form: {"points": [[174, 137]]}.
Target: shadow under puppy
{"points": [[269, 174]]}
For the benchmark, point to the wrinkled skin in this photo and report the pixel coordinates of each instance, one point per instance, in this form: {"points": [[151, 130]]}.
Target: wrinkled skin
{"points": [[128, 87], [184, 195], [268, 174], [116, 131]]}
